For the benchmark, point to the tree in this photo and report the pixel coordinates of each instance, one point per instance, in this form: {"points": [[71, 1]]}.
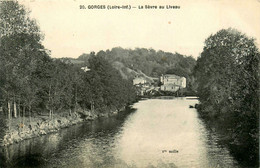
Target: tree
{"points": [[104, 90], [227, 73], [20, 42], [14, 19]]}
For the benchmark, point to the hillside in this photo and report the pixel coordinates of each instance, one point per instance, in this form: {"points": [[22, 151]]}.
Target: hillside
{"points": [[128, 73], [148, 61]]}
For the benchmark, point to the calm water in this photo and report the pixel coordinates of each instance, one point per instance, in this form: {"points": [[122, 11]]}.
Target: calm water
{"points": [[158, 133]]}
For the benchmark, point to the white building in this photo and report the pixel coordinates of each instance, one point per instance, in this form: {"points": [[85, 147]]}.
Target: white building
{"points": [[85, 69], [172, 82]]}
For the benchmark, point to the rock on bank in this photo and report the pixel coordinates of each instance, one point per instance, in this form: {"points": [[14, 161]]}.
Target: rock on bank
{"points": [[22, 128]]}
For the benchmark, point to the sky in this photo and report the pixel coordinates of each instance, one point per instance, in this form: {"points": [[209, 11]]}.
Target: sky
{"points": [[70, 31]]}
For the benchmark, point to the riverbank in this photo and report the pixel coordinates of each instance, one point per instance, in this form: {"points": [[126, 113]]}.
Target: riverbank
{"points": [[116, 141], [19, 129]]}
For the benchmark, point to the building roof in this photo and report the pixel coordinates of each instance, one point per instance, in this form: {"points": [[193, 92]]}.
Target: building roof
{"points": [[171, 76]]}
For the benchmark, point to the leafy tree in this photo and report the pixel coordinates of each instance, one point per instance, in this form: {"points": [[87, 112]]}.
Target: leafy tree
{"points": [[104, 88], [227, 73], [14, 19], [149, 61], [19, 38], [40, 84], [22, 55]]}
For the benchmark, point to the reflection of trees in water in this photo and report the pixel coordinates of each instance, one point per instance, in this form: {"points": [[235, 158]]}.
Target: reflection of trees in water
{"points": [[31, 150], [97, 136], [218, 141], [94, 141]]}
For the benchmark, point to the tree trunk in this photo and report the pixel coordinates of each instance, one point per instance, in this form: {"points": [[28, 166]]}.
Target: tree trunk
{"points": [[23, 113], [75, 100], [92, 107], [9, 109], [50, 113], [52, 109], [19, 108], [15, 109], [29, 111], [49, 102]]}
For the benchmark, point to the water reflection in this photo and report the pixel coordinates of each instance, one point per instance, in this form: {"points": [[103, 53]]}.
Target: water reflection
{"points": [[160, 133]]}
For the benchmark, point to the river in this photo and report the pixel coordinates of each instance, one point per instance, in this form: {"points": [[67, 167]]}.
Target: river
{"points": [[155, 133]]}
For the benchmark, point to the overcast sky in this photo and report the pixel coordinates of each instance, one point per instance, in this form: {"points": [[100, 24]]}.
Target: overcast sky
{"points": [[69, 31]]}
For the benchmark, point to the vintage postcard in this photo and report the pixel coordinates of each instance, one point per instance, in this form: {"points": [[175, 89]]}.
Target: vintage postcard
{"points": [[129, 83]]}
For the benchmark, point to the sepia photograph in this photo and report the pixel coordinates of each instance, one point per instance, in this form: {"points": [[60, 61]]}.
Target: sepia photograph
{"points": [[129, 83]]}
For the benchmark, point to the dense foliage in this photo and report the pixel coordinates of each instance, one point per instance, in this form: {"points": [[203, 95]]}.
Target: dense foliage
{"points": [[149, 62], [227, 73], [152, 63], [32, 83], [104, 87]]}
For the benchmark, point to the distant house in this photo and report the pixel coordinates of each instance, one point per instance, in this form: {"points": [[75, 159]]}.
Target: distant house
{"points": [[85, 69], [172, 82], [139, 80]]}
